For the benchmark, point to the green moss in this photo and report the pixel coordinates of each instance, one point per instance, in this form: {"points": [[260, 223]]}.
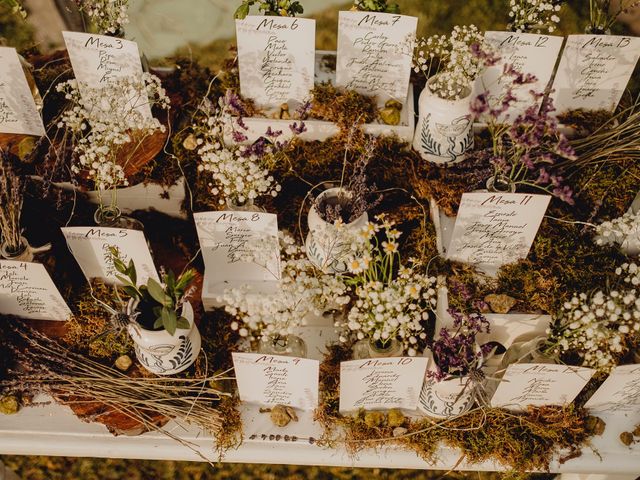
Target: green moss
{"points": [[518, 441], [14, 30]]}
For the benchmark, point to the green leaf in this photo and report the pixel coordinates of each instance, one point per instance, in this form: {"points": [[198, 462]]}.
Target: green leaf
{"points": [[183, 323], [169, 320], [125, 280], [131, 291], [131, 271], [242, 11], [158, 323], [119, 264], [170, 281], [156, 291]]}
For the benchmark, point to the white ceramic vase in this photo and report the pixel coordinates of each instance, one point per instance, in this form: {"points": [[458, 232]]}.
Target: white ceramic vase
{"points": [[164, 354], [326, 246], [25, 252], [444, 132], [446, 398]]}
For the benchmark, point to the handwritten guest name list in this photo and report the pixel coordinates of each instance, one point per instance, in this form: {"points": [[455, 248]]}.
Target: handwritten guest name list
{"points": [[496, 228], [239, 247], [27, 291], [18, 112], [537, 384], [620, 392], [98, 60], [277, 380], [276, 58], [381, 383], [527, 53], [594, 71], [91, 247], [374, 53]]}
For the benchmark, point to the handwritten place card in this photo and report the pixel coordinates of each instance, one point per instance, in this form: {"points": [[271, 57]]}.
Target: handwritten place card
{"points": [[620, 392], [594, 71], [277, 380], [381, 383], [374, 53], [27, 291], [496, 228], [539, 384], [18, 112], [276, 58], [239, 248], [100, 59], [528, 53], [91, 248]]}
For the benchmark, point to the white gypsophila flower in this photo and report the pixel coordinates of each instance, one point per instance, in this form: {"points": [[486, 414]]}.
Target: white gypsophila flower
{"points": [[303, 290], [391, 301], [600, 327], [534, 16], [239, 172], [452, 59], [106, 121], [108, 16], [619, 230]]}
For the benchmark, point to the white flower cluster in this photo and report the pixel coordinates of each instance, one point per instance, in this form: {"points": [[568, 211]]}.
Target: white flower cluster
{"points": [[108, 16], [388, 305], [303, 291], [619, 230], [105, 121], [452, 59], [239, 172], [599, 327], [534, 16]]}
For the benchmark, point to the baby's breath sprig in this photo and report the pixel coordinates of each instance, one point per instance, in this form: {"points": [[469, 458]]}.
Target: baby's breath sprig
{"points": [[600, 327], [452, 59], [107, 16], [534, 16], [392, 301], [109, 123]]}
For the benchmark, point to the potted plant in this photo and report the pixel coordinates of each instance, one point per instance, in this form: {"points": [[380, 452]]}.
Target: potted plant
{"points": [[240, 172], [270, 321], [444, 131], [338, 212], [603, 14], [597, 329], [454, 376], [162, 327], [112, 136], [13, 246], [524, 152], [393, 303]]}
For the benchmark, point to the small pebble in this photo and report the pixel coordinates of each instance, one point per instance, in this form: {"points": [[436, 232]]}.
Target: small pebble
{"points": [[595, 425], [626, 438], [190, 143], [500, 303], [281, 415], [636, 431], [123, 363]]}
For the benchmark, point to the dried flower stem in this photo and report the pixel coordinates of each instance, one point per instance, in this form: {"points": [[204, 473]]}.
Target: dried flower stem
{"points": [[10, 204]]}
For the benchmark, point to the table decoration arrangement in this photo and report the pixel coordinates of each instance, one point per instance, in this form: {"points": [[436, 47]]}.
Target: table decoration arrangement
{"points": [[473, 283]]}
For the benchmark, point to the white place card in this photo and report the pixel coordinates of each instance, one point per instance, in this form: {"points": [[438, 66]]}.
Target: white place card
{"points": [[620, 392], [375, 52], [277, 380], [528, 53], [276, 58], [239, 248], [99, 59], [27, 291], [538, 384], [594, 71], [18, 112], [496, 228], [91, 247], [381, 383]]}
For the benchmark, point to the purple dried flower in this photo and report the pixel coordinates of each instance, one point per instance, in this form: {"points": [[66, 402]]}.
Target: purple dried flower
{"points": [[298, 129]]}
